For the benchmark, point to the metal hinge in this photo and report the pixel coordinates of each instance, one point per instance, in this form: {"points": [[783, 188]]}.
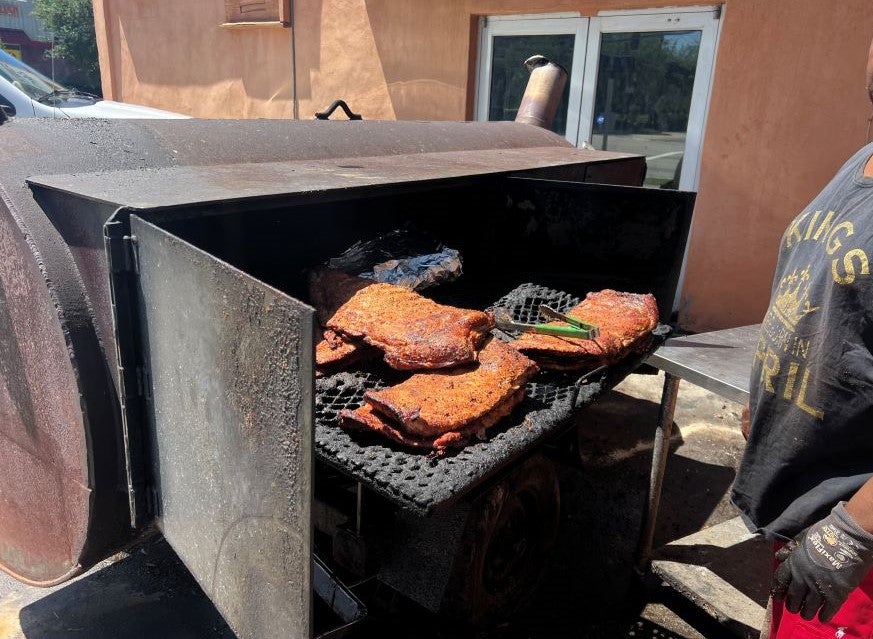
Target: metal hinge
{"points": [[122, 255], [123, 250]]}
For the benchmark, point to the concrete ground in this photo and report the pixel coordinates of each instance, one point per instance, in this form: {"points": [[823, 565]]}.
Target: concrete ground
{"points": [[602, 500], [589, 590]]}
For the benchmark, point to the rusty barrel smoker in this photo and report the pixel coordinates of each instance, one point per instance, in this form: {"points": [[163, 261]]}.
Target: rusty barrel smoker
{"points": [[156, 357]]}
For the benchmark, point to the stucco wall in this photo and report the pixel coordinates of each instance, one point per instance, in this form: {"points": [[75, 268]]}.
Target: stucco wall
{"points": [[788, 104], [788, 107], [177, 56]]}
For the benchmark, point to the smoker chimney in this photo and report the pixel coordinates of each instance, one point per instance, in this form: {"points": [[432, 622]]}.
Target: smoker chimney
{"points": [[543, 93]]}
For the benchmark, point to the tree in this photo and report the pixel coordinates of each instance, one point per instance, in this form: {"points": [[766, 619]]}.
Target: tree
{"points": [[72, 22]]}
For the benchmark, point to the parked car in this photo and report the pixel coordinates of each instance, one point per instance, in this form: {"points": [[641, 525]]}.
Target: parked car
{"points": [[26, 93]]}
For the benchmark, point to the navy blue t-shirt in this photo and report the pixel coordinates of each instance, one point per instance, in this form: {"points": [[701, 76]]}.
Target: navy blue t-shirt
{"points": [[811, 439]]}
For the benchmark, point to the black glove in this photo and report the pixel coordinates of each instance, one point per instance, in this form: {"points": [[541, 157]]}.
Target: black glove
{"points": [[822, 565]]}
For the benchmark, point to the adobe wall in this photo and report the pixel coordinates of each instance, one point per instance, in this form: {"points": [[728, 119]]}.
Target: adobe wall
{"points": [[178, 56], [788, 107]]}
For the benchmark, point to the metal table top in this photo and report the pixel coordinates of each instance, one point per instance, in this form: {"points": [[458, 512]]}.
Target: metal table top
{"points": [[719, 361]]}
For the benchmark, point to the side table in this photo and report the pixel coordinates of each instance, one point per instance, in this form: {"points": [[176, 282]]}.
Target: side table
{"points": [[720, 362]]}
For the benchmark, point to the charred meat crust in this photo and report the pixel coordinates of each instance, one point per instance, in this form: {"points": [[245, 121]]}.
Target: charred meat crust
{"points": [[335, 352], [366, 418], [413, 331], [429, 404], [329, 289], [626, 321], [439, 409], [333, 349]]}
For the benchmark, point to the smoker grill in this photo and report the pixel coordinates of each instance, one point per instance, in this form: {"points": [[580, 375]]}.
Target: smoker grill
{"points": [[156, 345], [423, 483]]}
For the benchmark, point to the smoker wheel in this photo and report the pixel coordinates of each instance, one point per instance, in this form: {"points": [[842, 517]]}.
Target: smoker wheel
{"points": [[505, 546]]}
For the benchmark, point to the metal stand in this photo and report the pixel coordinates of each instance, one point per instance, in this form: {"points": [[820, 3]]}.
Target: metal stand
{"points": [[695, 566], [660, 451], [720, 362]]}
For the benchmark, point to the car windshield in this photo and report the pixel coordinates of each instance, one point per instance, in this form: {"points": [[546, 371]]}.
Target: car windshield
{"points": [[27, 80]]}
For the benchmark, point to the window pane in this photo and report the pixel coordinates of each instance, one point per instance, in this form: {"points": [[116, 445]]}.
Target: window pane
{"points": [[644, 84], [509, 75]]}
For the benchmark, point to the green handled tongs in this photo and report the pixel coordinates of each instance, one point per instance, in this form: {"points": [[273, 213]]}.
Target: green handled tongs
{"points": [[580, 330], [548, 311]]}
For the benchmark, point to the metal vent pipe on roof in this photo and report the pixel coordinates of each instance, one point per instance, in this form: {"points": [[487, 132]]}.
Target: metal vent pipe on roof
{"points": [[539, 104]]}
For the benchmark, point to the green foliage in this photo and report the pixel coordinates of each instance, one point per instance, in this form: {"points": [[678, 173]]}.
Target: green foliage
{"points": [[72, 22]]}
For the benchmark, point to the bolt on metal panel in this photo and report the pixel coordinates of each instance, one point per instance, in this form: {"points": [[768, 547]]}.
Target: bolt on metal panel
{"points": [[229, 403]]}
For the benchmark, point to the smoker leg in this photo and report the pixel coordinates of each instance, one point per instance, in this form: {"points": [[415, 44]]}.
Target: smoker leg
{"points": [[659, 464]]}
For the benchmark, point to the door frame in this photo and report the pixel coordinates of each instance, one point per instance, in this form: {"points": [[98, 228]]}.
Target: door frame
{"points": [[708, 21], [538, 24]]}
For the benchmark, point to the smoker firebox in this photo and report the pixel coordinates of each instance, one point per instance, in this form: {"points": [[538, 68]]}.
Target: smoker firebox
{"points": [[179, 279]]}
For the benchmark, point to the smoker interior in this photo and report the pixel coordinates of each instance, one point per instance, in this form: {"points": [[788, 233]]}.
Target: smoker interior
{"points": [[522, 241], [567, 236]]}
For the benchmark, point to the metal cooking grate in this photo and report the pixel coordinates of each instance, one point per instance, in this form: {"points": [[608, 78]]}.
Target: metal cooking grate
{"points": [[524, 302], [420, 482]]}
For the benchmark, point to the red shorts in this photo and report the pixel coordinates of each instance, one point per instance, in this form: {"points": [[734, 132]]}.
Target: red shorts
{"points": [[854, 620]]}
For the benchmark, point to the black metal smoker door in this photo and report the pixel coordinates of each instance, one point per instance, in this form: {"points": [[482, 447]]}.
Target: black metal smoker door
{"points": [[228, 378]]}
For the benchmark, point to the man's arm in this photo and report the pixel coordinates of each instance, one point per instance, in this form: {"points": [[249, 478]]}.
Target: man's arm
{"points": [[860, 506]]}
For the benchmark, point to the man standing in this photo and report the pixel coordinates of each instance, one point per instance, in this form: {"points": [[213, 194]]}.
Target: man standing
{"points": [[806, 478]]}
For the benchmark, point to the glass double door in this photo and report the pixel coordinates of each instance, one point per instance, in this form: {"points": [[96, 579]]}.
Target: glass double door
{"points": [[638, 82]]}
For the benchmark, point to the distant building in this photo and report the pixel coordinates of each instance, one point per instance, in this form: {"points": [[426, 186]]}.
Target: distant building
{"points": [[23, 36]]}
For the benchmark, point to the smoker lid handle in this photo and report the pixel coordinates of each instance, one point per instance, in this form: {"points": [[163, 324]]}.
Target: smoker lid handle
{"points": [[341, 104]]}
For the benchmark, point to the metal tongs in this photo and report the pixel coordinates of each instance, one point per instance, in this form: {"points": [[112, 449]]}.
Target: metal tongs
{"points": [[575, 328]]}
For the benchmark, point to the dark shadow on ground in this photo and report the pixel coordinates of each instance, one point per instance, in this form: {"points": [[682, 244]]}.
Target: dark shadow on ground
{"points": [[615, 438], [147, 595]]}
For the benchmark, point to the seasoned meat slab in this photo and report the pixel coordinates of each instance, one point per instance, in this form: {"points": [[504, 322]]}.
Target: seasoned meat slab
{"points": [[335, 353], [329, 289], [413, 332], [333, 349], [441, 409], [626, 321]]}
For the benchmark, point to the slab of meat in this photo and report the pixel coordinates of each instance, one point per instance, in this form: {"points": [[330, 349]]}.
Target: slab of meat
{"points": [[413, 332], [329, 289], [436, 410], [336, 353], [626, 321]]}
